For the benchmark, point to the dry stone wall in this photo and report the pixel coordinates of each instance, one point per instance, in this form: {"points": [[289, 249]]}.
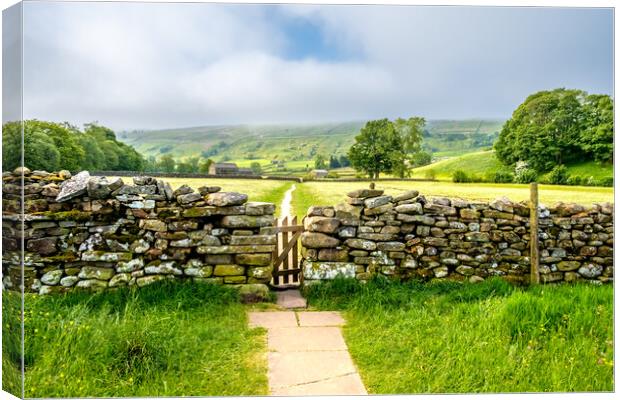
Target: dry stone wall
{"points": [[86, 232], [410, 236]]}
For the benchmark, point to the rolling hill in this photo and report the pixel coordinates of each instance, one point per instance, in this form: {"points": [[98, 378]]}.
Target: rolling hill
{"points": [[484, 163], [298, 145]]}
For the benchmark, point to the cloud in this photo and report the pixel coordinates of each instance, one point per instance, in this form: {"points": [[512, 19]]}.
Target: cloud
{"points": [[149, 65]]}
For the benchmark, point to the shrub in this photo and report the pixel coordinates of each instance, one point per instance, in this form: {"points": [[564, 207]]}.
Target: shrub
{"points": [[333, 174], [503, 177], [574, 180], [430, 174], [526, 175], [460, 176], [558, 175], [590, 181], [607, 181]]}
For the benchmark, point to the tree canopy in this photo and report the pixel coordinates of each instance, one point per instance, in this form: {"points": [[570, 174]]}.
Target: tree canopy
{"points": [[384, 146], [557, 127], [52, 146]]}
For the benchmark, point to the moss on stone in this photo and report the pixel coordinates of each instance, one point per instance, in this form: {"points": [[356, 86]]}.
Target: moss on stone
{"points": [[72, 215], [64, 257]]}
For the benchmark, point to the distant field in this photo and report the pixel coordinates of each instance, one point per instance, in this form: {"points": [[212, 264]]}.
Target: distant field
{"points": [[298, 144], [478, 163], [485, 163], [331, 193]]}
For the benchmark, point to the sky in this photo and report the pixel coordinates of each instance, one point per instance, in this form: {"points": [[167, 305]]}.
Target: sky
{"points": [[165, 65]]}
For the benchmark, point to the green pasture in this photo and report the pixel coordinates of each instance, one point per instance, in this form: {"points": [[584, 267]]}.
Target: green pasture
{"points": [[334, 192], [449, 337], [167, 339]]}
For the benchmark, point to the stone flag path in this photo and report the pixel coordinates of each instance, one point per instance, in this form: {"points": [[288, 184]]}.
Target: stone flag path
{"points": [[307, 354]]}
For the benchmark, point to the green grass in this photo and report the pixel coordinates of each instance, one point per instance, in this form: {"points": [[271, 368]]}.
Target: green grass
{"points": [[333, 192], [11, 343], [167, 339], [591, 168], [304, 196], [484, 163], [449, 337], [479, 163]]}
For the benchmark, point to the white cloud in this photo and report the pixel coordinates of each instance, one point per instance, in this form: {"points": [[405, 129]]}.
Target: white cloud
{"points": [[145, 65]]}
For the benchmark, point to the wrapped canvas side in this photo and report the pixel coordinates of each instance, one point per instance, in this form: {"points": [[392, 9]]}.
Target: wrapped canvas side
{"points": [[12, 203]]}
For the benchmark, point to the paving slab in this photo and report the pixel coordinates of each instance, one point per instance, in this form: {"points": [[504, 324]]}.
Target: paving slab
{"points": [[305, 339], [296, 368], [291, 299], [272, 319], [339, 386], [320, 318], [307, 354]]}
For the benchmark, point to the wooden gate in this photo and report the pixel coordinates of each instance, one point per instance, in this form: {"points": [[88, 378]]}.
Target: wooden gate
{"points": [[286, 270]]}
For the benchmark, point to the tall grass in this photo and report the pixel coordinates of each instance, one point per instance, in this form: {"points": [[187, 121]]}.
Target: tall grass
{"points": [[167, 339], [462, 338], [11, 343]]}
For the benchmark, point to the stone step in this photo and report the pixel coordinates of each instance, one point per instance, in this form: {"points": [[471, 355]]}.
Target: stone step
{"points": [[291, 299]]}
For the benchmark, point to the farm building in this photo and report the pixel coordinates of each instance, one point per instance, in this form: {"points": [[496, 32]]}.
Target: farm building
{"points": [[228, 169], [319, 173], [245, 171]]}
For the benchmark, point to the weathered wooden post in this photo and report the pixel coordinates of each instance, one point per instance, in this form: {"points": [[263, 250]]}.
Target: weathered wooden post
{"points": [[534, 256]]}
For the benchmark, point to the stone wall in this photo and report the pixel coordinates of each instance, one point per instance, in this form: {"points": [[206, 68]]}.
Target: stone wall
{"points": [[410, 236], [93, 233]]}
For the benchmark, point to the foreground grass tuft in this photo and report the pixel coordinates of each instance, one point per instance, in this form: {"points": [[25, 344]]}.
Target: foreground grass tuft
{"points": [[449, 337], [167, 339]]}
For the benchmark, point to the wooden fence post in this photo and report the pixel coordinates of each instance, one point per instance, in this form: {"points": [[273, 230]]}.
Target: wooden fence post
{"points": [[534, 255]]}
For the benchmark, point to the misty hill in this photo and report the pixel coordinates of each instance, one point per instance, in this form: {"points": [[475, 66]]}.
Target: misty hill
{"points": [[301, 142]]}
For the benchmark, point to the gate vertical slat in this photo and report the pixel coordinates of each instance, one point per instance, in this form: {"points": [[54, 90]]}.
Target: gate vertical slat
{"points": [[276, 278], [285, 264], [295, 254]]}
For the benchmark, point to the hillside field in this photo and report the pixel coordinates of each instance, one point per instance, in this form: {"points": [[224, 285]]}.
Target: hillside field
{"points": [[298, 145], [484, 163]]}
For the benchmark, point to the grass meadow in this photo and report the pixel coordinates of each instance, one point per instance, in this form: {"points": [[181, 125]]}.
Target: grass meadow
{"points": [[449, 337], [167, 339], [333, 192], [484, 163]]}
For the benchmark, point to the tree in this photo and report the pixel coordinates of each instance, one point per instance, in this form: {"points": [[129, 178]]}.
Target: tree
{"points": [[344, 161], [319, 162], [372, 152], [204, 165], [166, 163], [410, 131], [53, 146], [385, 146], [333, 162], [194, 163], [597, 139], [556, 127], [420, 159], [256, 168]]}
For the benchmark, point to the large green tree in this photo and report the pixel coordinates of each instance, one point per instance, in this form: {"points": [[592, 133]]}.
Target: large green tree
{"points": [[52, 146], [597, 138], [557, 127], [373, 149], [384, 146]]}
